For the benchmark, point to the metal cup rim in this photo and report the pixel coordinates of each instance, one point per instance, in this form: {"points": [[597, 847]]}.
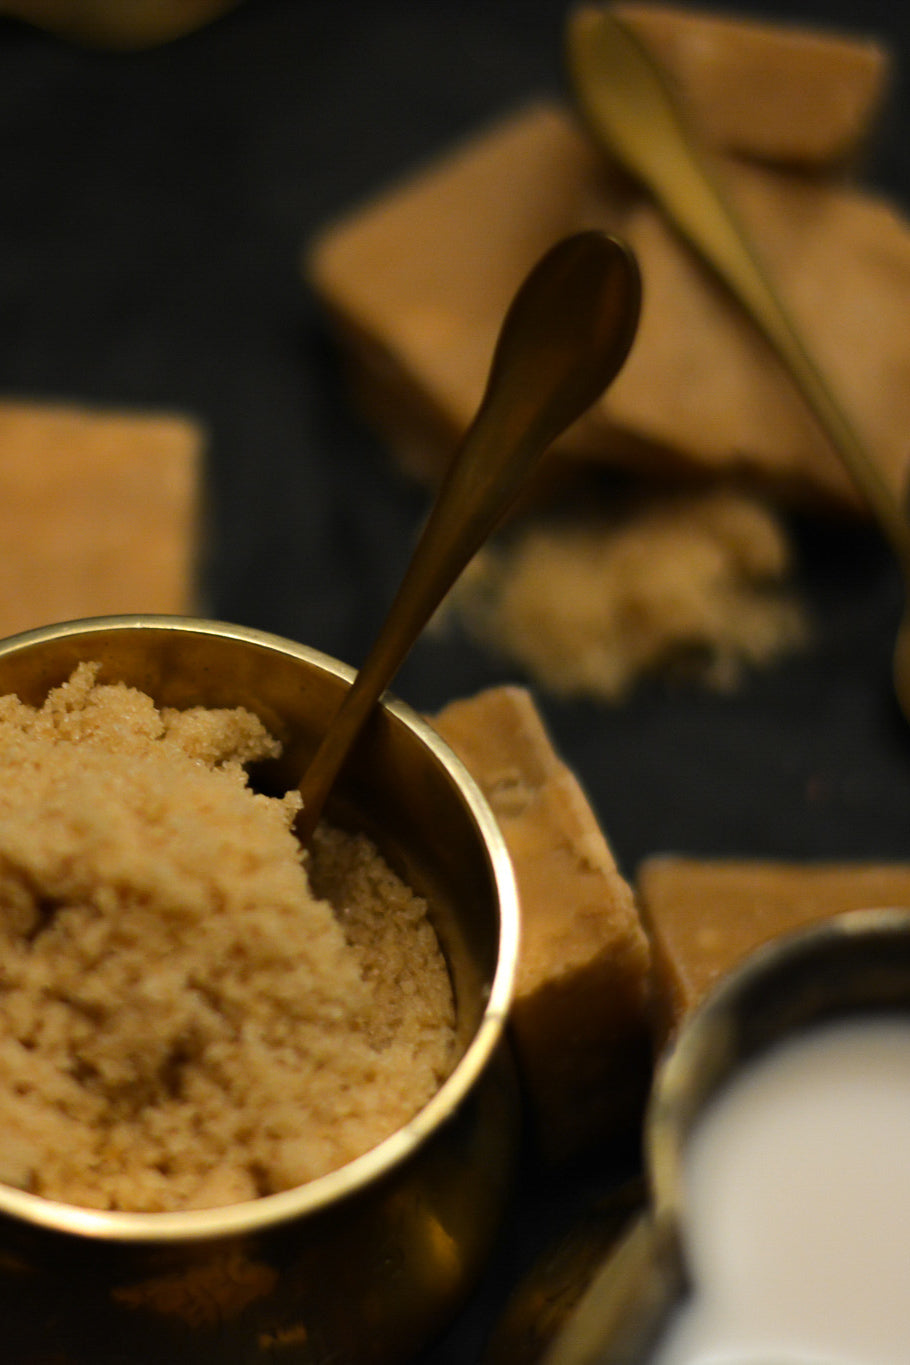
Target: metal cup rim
{"points": [[232, 1220]]}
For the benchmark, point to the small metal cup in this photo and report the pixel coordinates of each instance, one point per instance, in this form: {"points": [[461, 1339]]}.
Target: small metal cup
{"points": [[854, 963], [362, 1265]]}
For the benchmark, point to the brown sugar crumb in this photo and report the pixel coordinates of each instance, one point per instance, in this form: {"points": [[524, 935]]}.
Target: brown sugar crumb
{"points": [[589, 603], [183, 1022]]}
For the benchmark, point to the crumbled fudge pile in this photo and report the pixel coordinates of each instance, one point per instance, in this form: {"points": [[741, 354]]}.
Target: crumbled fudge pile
{"points": [[183, 1022]]}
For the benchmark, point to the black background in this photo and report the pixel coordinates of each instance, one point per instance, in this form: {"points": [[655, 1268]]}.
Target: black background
{"points": [[153, 211]]}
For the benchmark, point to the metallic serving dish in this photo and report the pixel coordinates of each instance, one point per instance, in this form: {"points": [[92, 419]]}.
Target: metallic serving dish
{"points": [[857, 963], [364, 1264]]}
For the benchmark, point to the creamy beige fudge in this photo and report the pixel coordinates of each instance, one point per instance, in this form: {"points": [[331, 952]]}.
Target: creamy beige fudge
{"points": [[100, 512], [417, 280], [579, 1016], [705, 915], [819, 93], [184, 1020]]}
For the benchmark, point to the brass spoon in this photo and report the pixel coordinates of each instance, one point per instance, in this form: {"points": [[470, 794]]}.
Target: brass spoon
{"points": [[564, 338], [630, 109]]}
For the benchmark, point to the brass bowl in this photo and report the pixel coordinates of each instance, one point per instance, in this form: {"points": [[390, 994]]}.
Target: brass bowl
{"points": [[853, 963], [365, 1264]]}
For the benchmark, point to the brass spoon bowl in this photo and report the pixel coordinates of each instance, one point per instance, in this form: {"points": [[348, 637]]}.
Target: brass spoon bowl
{"points": [[363, 1264], [564, 338], [629, 108]]}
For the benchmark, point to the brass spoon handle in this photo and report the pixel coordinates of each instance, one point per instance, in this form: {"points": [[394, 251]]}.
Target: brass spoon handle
{"points": [[565, 336], [631, 111]]}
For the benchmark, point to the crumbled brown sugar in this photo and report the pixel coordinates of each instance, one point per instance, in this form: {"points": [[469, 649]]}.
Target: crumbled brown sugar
{"points": [[183, 1022], [590, 602]]}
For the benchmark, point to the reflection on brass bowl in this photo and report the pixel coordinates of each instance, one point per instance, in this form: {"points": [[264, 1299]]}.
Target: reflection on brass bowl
{"points": [[364, 1264], [858, 962]]}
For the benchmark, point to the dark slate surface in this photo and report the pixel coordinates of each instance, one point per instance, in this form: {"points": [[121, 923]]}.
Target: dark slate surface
{"points": [[153, 207]]}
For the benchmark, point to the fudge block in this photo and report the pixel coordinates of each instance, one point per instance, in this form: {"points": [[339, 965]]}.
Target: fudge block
{"points": [[99, 513], [579, 1019], [705, 915], [417, 281], [820, 93]]}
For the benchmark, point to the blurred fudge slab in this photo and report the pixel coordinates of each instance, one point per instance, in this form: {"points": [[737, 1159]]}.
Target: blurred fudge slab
{"points": [[416, 283], [117, 24], [703, 916], [99, 513], [819, 94], [580, 1015]]}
